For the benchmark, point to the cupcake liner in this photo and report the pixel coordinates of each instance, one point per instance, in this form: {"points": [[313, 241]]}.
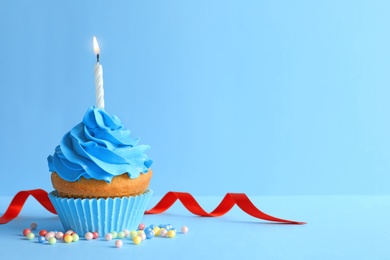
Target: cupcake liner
{"points": [[101, 215]]}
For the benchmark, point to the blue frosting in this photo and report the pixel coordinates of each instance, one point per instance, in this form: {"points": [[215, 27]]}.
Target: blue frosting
{"points": [[99, 148]]}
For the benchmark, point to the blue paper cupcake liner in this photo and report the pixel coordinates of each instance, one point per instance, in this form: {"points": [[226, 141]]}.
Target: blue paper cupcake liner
{"points": [[101, 215]]}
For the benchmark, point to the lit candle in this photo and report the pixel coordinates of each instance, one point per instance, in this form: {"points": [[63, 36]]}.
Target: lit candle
{"points": [[99, 91]]}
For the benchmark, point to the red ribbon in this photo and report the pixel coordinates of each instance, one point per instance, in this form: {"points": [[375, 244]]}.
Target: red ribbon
{"points": [[230, 199]]}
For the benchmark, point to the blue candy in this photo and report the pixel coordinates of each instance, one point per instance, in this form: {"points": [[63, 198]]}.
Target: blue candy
{"points": [[41, 239], [147, 229], [149, 234]]}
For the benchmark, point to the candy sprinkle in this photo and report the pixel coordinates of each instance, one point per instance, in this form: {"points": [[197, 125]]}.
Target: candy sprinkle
{"points": [[41, 239], [118, 243], [30, 236], [121, 234], [163, 232], [108, 237], [184, 229], [88, 236], [137, 240], [133, 233], [127, 232], [147, 229], [59, 235], [75, 237], [95, 235], [149, 234], [156, 231], [26, 231], [52, 240], [68, 238], [42, 232], [141, 226], [171, 233], [114, 234], [49, 235], [33, 226]]}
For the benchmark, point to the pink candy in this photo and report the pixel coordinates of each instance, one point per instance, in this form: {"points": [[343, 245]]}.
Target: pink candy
{"points": [[88, 236], [184, 229], [141, 226], [118, 243], [59, 235], [108, 237]]}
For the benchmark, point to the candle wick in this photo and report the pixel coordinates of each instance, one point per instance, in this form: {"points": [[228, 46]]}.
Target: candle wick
{"points": [[97, 57]]}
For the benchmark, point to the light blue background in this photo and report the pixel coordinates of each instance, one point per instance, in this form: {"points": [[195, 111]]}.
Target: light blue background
{"points": [[262, 97]]}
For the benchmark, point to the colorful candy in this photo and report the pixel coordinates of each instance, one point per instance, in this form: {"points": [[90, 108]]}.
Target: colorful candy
{"points": [[137, 240], [49, 235], [30, 236], [127, 232], [118, 243], [108, 237], [149, 234], [88, 236], [26, 231], [33, 226], [75, 237], [52, 240], [171, 233], [163, 232], [59, 235], [184, 229], [156, 231], [68, 238], [147, 229], [42, 232], [95, 235], [137, 236], [133, 233], [69, 232], [141, 226]]}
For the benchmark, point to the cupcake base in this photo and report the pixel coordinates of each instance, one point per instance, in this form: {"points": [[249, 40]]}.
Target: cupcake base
{"points": [[101, 215]]}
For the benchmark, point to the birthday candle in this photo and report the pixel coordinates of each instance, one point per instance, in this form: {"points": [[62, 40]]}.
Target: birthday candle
{"points": [[99, 90]]}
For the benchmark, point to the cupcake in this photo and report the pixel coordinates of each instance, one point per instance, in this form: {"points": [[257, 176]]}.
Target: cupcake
{"points": [[101, 176]]}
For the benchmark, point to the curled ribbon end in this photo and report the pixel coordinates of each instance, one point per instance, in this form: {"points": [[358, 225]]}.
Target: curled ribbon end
{"points": [[188, 201]]}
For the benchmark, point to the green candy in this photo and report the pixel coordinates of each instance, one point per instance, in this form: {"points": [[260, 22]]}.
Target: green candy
{"points": [[52, 240], [121, 234], [75, 237], [30, 236]]}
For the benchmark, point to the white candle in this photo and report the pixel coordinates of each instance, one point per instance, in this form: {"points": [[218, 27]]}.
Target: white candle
{"points": [[99, 91]]}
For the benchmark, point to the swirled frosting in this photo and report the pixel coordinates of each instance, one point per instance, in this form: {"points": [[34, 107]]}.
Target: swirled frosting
{"points": [[99, 148]]}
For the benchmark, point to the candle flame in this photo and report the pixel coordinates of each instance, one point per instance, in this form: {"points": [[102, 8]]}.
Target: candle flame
{"points": [[96, 48]]}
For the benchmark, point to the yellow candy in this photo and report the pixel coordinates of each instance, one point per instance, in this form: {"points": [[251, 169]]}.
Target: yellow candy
{"points": [[133, 234], [140, 232], [156, 231], [137, 240], [171, 233], [68, 239]]}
